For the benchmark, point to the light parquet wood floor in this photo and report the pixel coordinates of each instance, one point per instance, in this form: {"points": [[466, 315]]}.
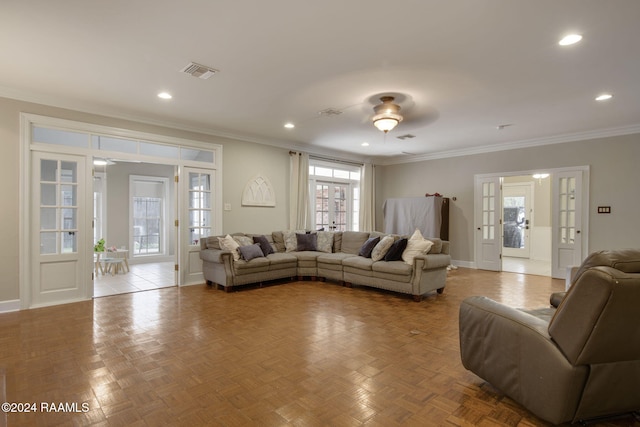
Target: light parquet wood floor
{"points": [[295, 353]]}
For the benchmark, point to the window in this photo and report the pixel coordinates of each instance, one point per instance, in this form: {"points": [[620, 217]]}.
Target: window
{"points": [[147, 225], [335, 195], [148, 201]]}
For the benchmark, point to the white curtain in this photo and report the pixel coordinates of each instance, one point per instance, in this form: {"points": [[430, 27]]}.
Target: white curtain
{"points": [[299, 208], [367, 198]]}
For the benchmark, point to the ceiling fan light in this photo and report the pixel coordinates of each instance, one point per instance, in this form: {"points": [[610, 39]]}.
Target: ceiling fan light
{"points": [[385, 123], [387, 114]]}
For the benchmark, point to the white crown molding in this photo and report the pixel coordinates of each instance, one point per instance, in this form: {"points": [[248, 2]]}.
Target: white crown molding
{"points": [[527, 143], [83, 107]]}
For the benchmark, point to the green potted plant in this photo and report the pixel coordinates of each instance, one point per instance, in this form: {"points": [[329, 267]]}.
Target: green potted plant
{"points": [[99, 246]]}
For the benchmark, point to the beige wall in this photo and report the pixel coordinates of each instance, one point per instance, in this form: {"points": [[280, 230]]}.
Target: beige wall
{"points": [[614, 178], [241, 161], [614, 182], [118, 200]]}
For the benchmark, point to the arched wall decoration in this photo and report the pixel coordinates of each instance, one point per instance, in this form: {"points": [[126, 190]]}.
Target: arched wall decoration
{"points": [[258, 192]]}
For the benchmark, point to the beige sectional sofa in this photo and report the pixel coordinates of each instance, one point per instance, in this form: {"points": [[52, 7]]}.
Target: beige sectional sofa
{"points": [[335, 259]]}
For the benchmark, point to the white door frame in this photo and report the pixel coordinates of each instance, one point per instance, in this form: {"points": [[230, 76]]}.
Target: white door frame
{"points": [[584, 244], [527, 188], [28, 145]]}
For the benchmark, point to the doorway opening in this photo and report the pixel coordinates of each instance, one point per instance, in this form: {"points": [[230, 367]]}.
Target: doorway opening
{"points": [[134, 204], [526, 224]]}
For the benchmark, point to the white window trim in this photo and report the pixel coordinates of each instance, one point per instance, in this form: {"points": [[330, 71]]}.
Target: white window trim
{"points": [[164, 214]]}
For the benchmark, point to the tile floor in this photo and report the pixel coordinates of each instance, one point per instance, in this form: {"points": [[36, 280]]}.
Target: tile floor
{"points": [[526, 266], [142, 277]]}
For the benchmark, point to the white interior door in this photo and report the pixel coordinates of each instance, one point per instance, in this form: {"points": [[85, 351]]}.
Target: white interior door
{"points": [[567, 233], [197, 220], [60, 267], [516, 220], [488, 239]]}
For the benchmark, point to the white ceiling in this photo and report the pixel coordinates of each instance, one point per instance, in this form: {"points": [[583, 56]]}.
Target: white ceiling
{"points": [[459, 68]]}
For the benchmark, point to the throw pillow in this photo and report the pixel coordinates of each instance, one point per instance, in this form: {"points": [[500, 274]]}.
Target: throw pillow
{"points": [[307, 242], [325, 241], [381, 249], [264, 244], [368, 246], [250, 252], [395, 251], [243, 240], [228, 244], [417, 245], [290, 240]]}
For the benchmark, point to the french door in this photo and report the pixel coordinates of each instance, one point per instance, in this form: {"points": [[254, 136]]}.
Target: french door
{"points": [[516, 220], [487, 223], [59, 252], [331, 205], [197, 220], [567, 210]]}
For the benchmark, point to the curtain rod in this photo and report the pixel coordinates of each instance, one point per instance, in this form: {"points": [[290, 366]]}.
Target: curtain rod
{"points": [[329, 159]]}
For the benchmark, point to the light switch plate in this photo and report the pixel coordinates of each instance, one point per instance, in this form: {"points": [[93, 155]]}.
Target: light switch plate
{"points": [[227, 206]]}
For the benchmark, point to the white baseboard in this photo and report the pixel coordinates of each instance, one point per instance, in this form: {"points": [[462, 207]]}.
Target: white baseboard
{"points": [[465, 264], [8, 306]]}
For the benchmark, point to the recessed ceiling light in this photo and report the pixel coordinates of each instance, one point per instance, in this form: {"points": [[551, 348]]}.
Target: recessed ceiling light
{"points": [[289, 125], [604, 97], [165, 95], [570, 39], [365, 144]]}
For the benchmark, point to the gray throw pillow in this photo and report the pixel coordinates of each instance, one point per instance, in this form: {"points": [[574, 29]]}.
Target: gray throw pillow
{"points": [[249, 252], [368, 246], [395, 251], [264, 244], [307, 242]]}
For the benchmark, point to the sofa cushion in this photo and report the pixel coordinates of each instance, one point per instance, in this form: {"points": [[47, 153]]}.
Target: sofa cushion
{"points": [[395, 251], [400, 268], [352, 241], [249, 252], [381, 249], [264, 244], [416, 245], [280, 260], [212, 242], [367, 247], [333, 259], [337, 241], [256, 265], [358, 262], [325, 241], [227, 243], [437, 245], [307, 242]]}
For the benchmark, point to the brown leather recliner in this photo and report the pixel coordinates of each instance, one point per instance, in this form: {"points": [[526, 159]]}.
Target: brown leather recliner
{"points": [[582, 364]]}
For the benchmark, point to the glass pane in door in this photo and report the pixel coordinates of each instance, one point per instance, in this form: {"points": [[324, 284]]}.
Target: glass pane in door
{"points": [[513, 222], [199, 206]]}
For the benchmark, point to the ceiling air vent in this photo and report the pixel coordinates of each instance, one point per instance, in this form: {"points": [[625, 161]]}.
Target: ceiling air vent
{"points": [[406, 136], [200, 71], [329, 112]]}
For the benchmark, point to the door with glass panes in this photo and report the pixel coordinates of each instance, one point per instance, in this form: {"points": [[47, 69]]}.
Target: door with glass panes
{"points": [[59, 249], [332, 210], [197, 220]]}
